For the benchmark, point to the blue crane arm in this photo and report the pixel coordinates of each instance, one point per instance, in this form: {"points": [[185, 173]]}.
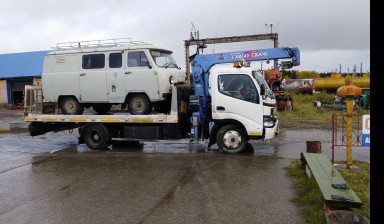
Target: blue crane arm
{"points": [[202, 63], [206, 61]]}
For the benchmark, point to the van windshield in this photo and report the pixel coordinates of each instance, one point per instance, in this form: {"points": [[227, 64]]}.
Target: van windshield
{"points": [[164, 59]]}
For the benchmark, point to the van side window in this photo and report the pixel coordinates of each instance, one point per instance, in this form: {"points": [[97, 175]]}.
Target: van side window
{"points": [[115, 60], [137, 59], [93, 61]]}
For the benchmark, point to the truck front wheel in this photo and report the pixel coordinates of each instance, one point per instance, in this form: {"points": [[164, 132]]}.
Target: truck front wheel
{"points": [[231, 139], [96, 136]]}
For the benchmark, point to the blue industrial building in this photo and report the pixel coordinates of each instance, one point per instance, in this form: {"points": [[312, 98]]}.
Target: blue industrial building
{"points": [[16, 71]]}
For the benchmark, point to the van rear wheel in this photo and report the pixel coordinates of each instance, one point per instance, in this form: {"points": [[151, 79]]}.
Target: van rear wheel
{"points": [[139, 104], [70, 105]]}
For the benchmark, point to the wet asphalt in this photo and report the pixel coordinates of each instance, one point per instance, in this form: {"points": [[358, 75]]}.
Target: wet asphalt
{"points": [[51, 179]]}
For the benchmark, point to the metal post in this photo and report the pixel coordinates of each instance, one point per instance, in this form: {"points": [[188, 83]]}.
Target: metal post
{"points": [[333, 139], [187, 63], [349, 99], [275, 45]]}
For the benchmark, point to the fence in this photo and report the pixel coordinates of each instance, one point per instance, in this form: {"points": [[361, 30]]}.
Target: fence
{"points": [[339, 133]]}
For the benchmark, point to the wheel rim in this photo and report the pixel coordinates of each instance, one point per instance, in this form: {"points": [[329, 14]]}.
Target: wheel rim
{"points": [[232, 139], [70, 106], [95, 136], [137, 104]]}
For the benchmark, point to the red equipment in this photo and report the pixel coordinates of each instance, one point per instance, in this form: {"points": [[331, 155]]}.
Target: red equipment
{"points": [[275, 82]]}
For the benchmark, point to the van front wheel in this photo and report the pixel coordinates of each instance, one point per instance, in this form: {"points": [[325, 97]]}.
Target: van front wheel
{"points": [[139, 104]]}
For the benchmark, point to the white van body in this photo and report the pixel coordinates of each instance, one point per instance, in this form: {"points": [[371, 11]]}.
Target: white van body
{"points": [[109, 74]]}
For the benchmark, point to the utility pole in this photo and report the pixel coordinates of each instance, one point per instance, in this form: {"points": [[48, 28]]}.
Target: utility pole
{"points": [[361, 69]]}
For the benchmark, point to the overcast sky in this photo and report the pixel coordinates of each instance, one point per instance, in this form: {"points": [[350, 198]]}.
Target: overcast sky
{"points": [[327, 32]]}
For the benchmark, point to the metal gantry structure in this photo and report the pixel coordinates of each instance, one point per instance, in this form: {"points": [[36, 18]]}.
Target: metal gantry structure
{"points": [[203, 42]]}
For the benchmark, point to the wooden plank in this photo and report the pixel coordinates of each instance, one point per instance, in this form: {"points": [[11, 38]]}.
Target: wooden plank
{"points": [[325, 175]]}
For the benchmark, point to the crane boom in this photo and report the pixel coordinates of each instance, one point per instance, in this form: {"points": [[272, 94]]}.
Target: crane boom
{"points": [[202, 63]]}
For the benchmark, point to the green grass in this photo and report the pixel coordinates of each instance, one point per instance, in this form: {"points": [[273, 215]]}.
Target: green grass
{"points": [[311, 200], [304, 109], [360, 181]]}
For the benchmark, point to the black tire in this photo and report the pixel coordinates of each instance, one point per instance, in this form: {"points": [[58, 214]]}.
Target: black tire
{"points": [[231, 139], [70, 105], [102, 108], [96, 136], [139, 104]]}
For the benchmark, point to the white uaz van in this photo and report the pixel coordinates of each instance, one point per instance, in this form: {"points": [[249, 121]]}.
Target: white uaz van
{"points": [[136, 74]]}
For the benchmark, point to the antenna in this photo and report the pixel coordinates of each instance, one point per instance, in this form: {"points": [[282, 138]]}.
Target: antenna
{"points": [[194, 33], [271, 26]]}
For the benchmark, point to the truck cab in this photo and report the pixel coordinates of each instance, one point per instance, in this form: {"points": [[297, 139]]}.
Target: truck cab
{"points": [[242, 104]]}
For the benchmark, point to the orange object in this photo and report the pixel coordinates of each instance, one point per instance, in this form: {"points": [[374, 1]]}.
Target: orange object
{"points": [[348, 89]]}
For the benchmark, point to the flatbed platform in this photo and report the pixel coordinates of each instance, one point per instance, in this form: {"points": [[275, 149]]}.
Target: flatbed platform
{"points": [[114, 118]]}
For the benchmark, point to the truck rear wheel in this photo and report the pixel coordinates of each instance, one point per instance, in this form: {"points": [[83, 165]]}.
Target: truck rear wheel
{"points": [[70, 105], [231, 139], [96, 136], [139, 104]]}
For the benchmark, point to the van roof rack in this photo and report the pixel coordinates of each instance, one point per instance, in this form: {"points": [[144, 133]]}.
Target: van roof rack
{"points": [[85, 44]]}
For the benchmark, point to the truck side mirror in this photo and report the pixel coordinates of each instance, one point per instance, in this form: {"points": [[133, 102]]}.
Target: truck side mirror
{"points": [[262, 89]]}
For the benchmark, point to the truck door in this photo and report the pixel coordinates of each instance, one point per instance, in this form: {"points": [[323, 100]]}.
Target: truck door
{"points": [[115, 77], [140, 75], [93, 78], [235, 96]]}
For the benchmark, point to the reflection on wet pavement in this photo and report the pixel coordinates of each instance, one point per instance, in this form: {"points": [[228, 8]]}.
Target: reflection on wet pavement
{"points": [[288, 144]]}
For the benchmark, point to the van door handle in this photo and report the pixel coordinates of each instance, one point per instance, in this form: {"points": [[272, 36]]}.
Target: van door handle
{"points": [[128, 73], [220, 108], [82, 74]]}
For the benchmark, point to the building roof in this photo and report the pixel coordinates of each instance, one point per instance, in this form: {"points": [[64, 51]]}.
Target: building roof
{"points": [[22, 64]]}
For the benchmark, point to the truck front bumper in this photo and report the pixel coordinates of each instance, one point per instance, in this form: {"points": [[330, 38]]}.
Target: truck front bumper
{"points": [[272, 131]]}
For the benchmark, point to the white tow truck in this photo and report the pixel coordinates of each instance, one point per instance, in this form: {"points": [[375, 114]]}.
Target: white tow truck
{"points": [[228, 106]]}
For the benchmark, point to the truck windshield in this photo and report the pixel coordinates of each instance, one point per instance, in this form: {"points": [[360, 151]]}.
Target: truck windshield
{"points": [[164, 59], [260, 80]]}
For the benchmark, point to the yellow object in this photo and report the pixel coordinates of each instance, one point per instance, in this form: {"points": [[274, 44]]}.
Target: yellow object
{"points": [[349, 92], [336, 81], [349, 132]]}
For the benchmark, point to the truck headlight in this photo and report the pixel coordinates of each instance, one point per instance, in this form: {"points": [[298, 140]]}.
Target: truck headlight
{"points": [[268, 122]]}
